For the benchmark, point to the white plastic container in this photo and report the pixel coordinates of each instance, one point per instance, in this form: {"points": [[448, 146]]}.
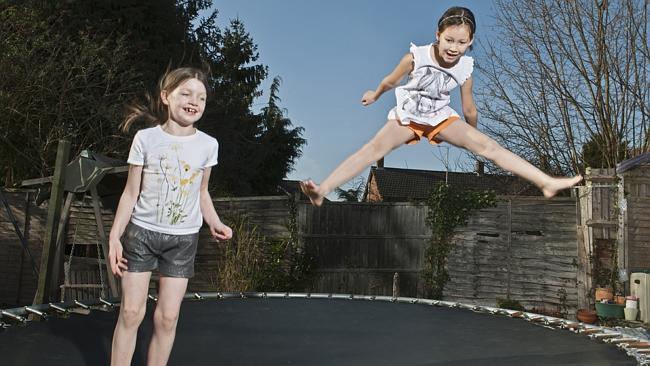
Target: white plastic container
{"points": [[640, 288], [631, 304], [630, 313]]}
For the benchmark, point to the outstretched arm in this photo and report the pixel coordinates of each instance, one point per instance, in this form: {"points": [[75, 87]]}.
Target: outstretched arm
{"points": [[218, 229], [467, 99], [393, 79]]}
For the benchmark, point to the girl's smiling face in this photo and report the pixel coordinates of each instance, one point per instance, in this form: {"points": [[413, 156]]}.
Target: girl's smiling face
{"points": [[186, 103], [453, 41]]}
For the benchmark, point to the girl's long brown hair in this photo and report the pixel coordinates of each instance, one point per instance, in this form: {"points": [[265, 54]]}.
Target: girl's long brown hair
{"points": [[154, 111]]}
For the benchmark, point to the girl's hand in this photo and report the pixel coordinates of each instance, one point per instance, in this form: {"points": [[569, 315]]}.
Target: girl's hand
{"points": [[220, 231], [118, 263], [368, 97]]}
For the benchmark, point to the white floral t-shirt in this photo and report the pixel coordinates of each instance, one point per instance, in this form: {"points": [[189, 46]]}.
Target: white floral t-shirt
{"points": [[171, 178]]}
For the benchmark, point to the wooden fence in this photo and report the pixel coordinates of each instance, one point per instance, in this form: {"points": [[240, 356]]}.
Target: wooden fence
{"points": [[637, 218], [17, 280], [524, 248], [359, 246], [268, 214]]}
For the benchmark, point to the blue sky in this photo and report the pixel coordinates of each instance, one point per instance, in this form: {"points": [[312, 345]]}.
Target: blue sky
{"points": [[328, 53]]}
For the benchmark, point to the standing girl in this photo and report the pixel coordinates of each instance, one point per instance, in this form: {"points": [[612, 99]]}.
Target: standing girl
{"points": [[423, 110], [161, 211]]}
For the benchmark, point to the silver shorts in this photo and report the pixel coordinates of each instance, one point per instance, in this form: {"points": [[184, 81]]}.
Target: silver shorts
{"points": [[146, 250]]}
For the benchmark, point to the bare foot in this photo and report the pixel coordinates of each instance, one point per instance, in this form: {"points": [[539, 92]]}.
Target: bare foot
{"points": [[555, 185], [312, 191]]}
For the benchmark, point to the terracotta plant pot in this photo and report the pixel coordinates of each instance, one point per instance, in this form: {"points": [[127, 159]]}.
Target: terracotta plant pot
{"points": [[604, 293], [586, 316]]}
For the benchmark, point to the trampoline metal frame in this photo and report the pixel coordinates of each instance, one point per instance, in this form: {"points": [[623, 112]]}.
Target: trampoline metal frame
{"points": [[633, 346]]}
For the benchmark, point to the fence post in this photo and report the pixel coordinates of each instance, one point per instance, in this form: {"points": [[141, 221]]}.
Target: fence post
{"points": [[53, 215], [396, 285]]}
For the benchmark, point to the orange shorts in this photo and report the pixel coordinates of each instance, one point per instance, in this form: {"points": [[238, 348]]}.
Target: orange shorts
{"points": [[428, 131]]}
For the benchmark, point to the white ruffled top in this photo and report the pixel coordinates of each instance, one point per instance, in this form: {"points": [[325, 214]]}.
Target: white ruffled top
{"points": [[424, 99]]}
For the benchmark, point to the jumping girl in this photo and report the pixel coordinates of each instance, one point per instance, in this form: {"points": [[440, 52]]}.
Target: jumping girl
{"points": [[161, 211], [423, 110]]}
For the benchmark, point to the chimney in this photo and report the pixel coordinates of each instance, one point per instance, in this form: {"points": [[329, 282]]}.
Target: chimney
{"points": [[479, 168], [380, 163]]}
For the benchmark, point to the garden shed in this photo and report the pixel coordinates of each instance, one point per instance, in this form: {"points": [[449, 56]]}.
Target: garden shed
{"points": [[613, 226]]}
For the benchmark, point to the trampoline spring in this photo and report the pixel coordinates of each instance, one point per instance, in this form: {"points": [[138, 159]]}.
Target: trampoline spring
{"points": [[106, 302], [13, 316], [36, 312], [604, 336], [537, 319], [621, 341], [571, 325], [198, 296], [152, 297], [636, 352], [589, 331], [58, 308], [640, 345], [81, 305]]}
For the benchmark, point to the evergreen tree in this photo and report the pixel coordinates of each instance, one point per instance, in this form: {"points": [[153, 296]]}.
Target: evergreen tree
{"points": [[280, 144], [70, 66]]}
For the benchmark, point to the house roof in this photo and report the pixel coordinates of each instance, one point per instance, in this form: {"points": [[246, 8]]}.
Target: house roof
{"points": [[410, 184], [623, 166], [292, 187]]}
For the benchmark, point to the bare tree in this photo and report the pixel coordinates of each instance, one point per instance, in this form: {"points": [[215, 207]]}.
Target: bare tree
{"points": [[562, 74]]}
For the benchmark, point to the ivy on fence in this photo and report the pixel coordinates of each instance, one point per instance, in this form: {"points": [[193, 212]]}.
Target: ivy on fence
{"points": [[449, 207]]}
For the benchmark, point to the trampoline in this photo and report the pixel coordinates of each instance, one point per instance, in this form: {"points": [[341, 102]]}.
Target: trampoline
{"points": [[315, 329]]}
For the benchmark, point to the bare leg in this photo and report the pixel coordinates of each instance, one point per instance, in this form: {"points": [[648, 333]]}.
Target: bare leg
{"points": [[135, 287], [463, 135], [391, 136], [165, 319]]}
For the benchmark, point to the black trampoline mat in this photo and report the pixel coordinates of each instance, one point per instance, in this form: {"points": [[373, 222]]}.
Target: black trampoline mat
{"points": [[314, 332]]}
